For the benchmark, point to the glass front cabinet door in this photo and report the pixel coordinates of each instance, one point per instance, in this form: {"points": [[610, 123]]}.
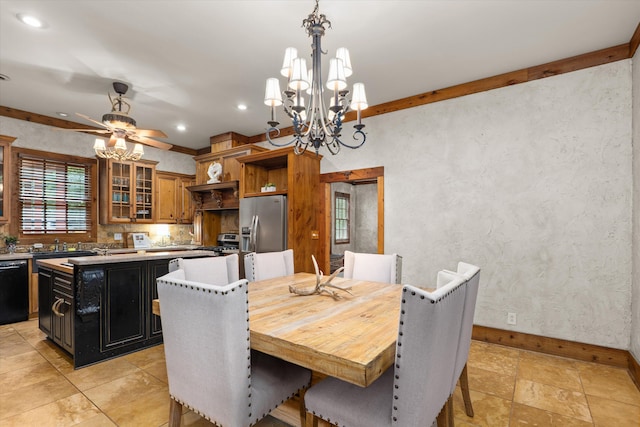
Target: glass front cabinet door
{"points": [[145, 176], [5, 178], [126, 189]]}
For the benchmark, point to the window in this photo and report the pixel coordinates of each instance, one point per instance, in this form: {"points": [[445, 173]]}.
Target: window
{"points": [[55, 195], [341, 213]]}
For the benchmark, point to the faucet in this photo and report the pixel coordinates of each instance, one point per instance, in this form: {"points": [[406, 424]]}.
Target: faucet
{"points": [[101, 251], [57, 242], [64, 247]]}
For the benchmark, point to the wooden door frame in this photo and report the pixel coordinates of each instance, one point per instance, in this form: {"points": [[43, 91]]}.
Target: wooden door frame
{"points": [[375, 175]]}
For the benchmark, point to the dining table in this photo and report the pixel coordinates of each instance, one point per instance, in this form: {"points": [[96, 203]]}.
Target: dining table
{"points": [[351, 338]]}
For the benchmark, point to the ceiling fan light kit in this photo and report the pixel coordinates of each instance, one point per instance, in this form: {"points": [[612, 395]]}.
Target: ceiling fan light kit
{"points": [[119, 151], [121, 126], [315, 125]]}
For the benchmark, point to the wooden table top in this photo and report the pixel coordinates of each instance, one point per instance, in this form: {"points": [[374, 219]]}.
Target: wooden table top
{"points": [[352, 338]]}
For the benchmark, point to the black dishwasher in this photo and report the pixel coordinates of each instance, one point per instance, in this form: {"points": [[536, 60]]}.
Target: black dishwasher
{"points": [[14, 291]]}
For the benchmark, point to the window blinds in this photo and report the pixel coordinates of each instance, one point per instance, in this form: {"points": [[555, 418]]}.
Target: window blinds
{"points": [[55, 196]]}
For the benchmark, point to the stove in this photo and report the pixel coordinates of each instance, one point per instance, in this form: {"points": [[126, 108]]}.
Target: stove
{"points": [[228, 243]]}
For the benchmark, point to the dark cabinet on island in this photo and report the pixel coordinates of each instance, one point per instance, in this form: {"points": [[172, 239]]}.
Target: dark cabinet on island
{"points": [[100, 307]]}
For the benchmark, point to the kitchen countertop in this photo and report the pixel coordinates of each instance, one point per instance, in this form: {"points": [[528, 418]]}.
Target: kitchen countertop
{"points": [[57, 263], [28, 255], [16, 256]]}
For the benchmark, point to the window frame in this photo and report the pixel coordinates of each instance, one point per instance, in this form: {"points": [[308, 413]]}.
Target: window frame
{"points": [[347, 197], [16, 210]]}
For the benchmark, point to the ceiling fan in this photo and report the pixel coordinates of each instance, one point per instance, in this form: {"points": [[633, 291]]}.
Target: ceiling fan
{"points": [[119, 124]]}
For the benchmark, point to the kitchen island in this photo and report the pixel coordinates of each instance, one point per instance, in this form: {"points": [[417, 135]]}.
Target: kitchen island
{"points": [[99, 307]]}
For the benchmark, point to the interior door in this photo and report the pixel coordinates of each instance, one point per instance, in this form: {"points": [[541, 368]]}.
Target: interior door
{"points": [[369, 175]]}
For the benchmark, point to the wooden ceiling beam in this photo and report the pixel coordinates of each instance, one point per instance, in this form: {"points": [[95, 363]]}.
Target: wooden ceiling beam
{"points": [[567, 65], [67, 124]]}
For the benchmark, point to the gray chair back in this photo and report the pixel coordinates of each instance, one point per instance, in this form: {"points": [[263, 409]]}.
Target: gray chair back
{"points": [[386, 268], [206, 342], [416, 388], [210, 366], [471, 274], [267, 265], [427, 342], [219, 270]]}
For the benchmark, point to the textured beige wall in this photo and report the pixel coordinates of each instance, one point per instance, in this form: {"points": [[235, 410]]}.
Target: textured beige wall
{"points": [[635, 304], [367, 218], [533, 183]]}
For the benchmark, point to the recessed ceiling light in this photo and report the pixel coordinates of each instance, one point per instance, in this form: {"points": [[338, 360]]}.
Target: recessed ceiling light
{"points": [[181, 128], [242, 107], [30, 20], [62, 114]]}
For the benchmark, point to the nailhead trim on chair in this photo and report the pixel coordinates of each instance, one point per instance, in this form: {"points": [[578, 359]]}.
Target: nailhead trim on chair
{"points": [[248, 358], [248, 349], [253, 264], [399, 342]]}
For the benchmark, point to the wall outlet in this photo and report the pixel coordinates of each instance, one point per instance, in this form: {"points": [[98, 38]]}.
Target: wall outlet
{"points": [[117, 236], [511, 318]]}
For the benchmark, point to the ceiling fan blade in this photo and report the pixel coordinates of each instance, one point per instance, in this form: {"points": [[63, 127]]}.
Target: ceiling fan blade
{"points": [[151, 132], [87, 130], [151, 142], [91, 120]]}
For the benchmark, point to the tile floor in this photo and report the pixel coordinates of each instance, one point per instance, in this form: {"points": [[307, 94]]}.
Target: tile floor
{"points": [[509, 387]]}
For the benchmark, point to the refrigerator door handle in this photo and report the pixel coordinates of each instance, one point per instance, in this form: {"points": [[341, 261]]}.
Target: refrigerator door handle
{"points": [[254, 232], [252, 235]]}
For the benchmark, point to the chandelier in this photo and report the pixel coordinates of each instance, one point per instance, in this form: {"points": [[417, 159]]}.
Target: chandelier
{"points": [[316, 125], [119, 151]]}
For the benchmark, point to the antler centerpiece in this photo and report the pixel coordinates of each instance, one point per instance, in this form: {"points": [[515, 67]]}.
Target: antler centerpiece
{"points": [[321, 288]]}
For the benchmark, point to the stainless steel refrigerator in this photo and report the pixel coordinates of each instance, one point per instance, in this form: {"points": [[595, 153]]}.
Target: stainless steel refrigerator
{"points": [[263, 224]]}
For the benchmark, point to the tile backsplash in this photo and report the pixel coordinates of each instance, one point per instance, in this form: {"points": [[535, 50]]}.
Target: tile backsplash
{"points": [[160, 235]]}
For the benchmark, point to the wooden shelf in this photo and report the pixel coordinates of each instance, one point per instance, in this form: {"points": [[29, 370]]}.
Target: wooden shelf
{"points": [[203, 188], [267, 193], [216, 197]]}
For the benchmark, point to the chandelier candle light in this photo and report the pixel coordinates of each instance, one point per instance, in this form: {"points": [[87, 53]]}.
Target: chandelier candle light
{"points": [[316, 125], [119, 151]]}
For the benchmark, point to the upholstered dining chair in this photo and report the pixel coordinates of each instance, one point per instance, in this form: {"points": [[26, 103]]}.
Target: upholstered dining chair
{"points": [[267, 265], [219, 270], [417, 387], [471, 274], [210, 365], [385, 268]]}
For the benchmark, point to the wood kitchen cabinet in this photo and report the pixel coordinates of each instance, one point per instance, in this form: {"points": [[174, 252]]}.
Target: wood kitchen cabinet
{"points": [[298, 178], [216, 204], [56, 300], [127, 191], [123, 302], [228, 159], [174, 203], [216, 211], [45, 300], [5, 177], [104, 308]]}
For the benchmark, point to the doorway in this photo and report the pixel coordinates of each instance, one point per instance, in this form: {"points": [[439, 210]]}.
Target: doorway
{"points": [[365, 228]]}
